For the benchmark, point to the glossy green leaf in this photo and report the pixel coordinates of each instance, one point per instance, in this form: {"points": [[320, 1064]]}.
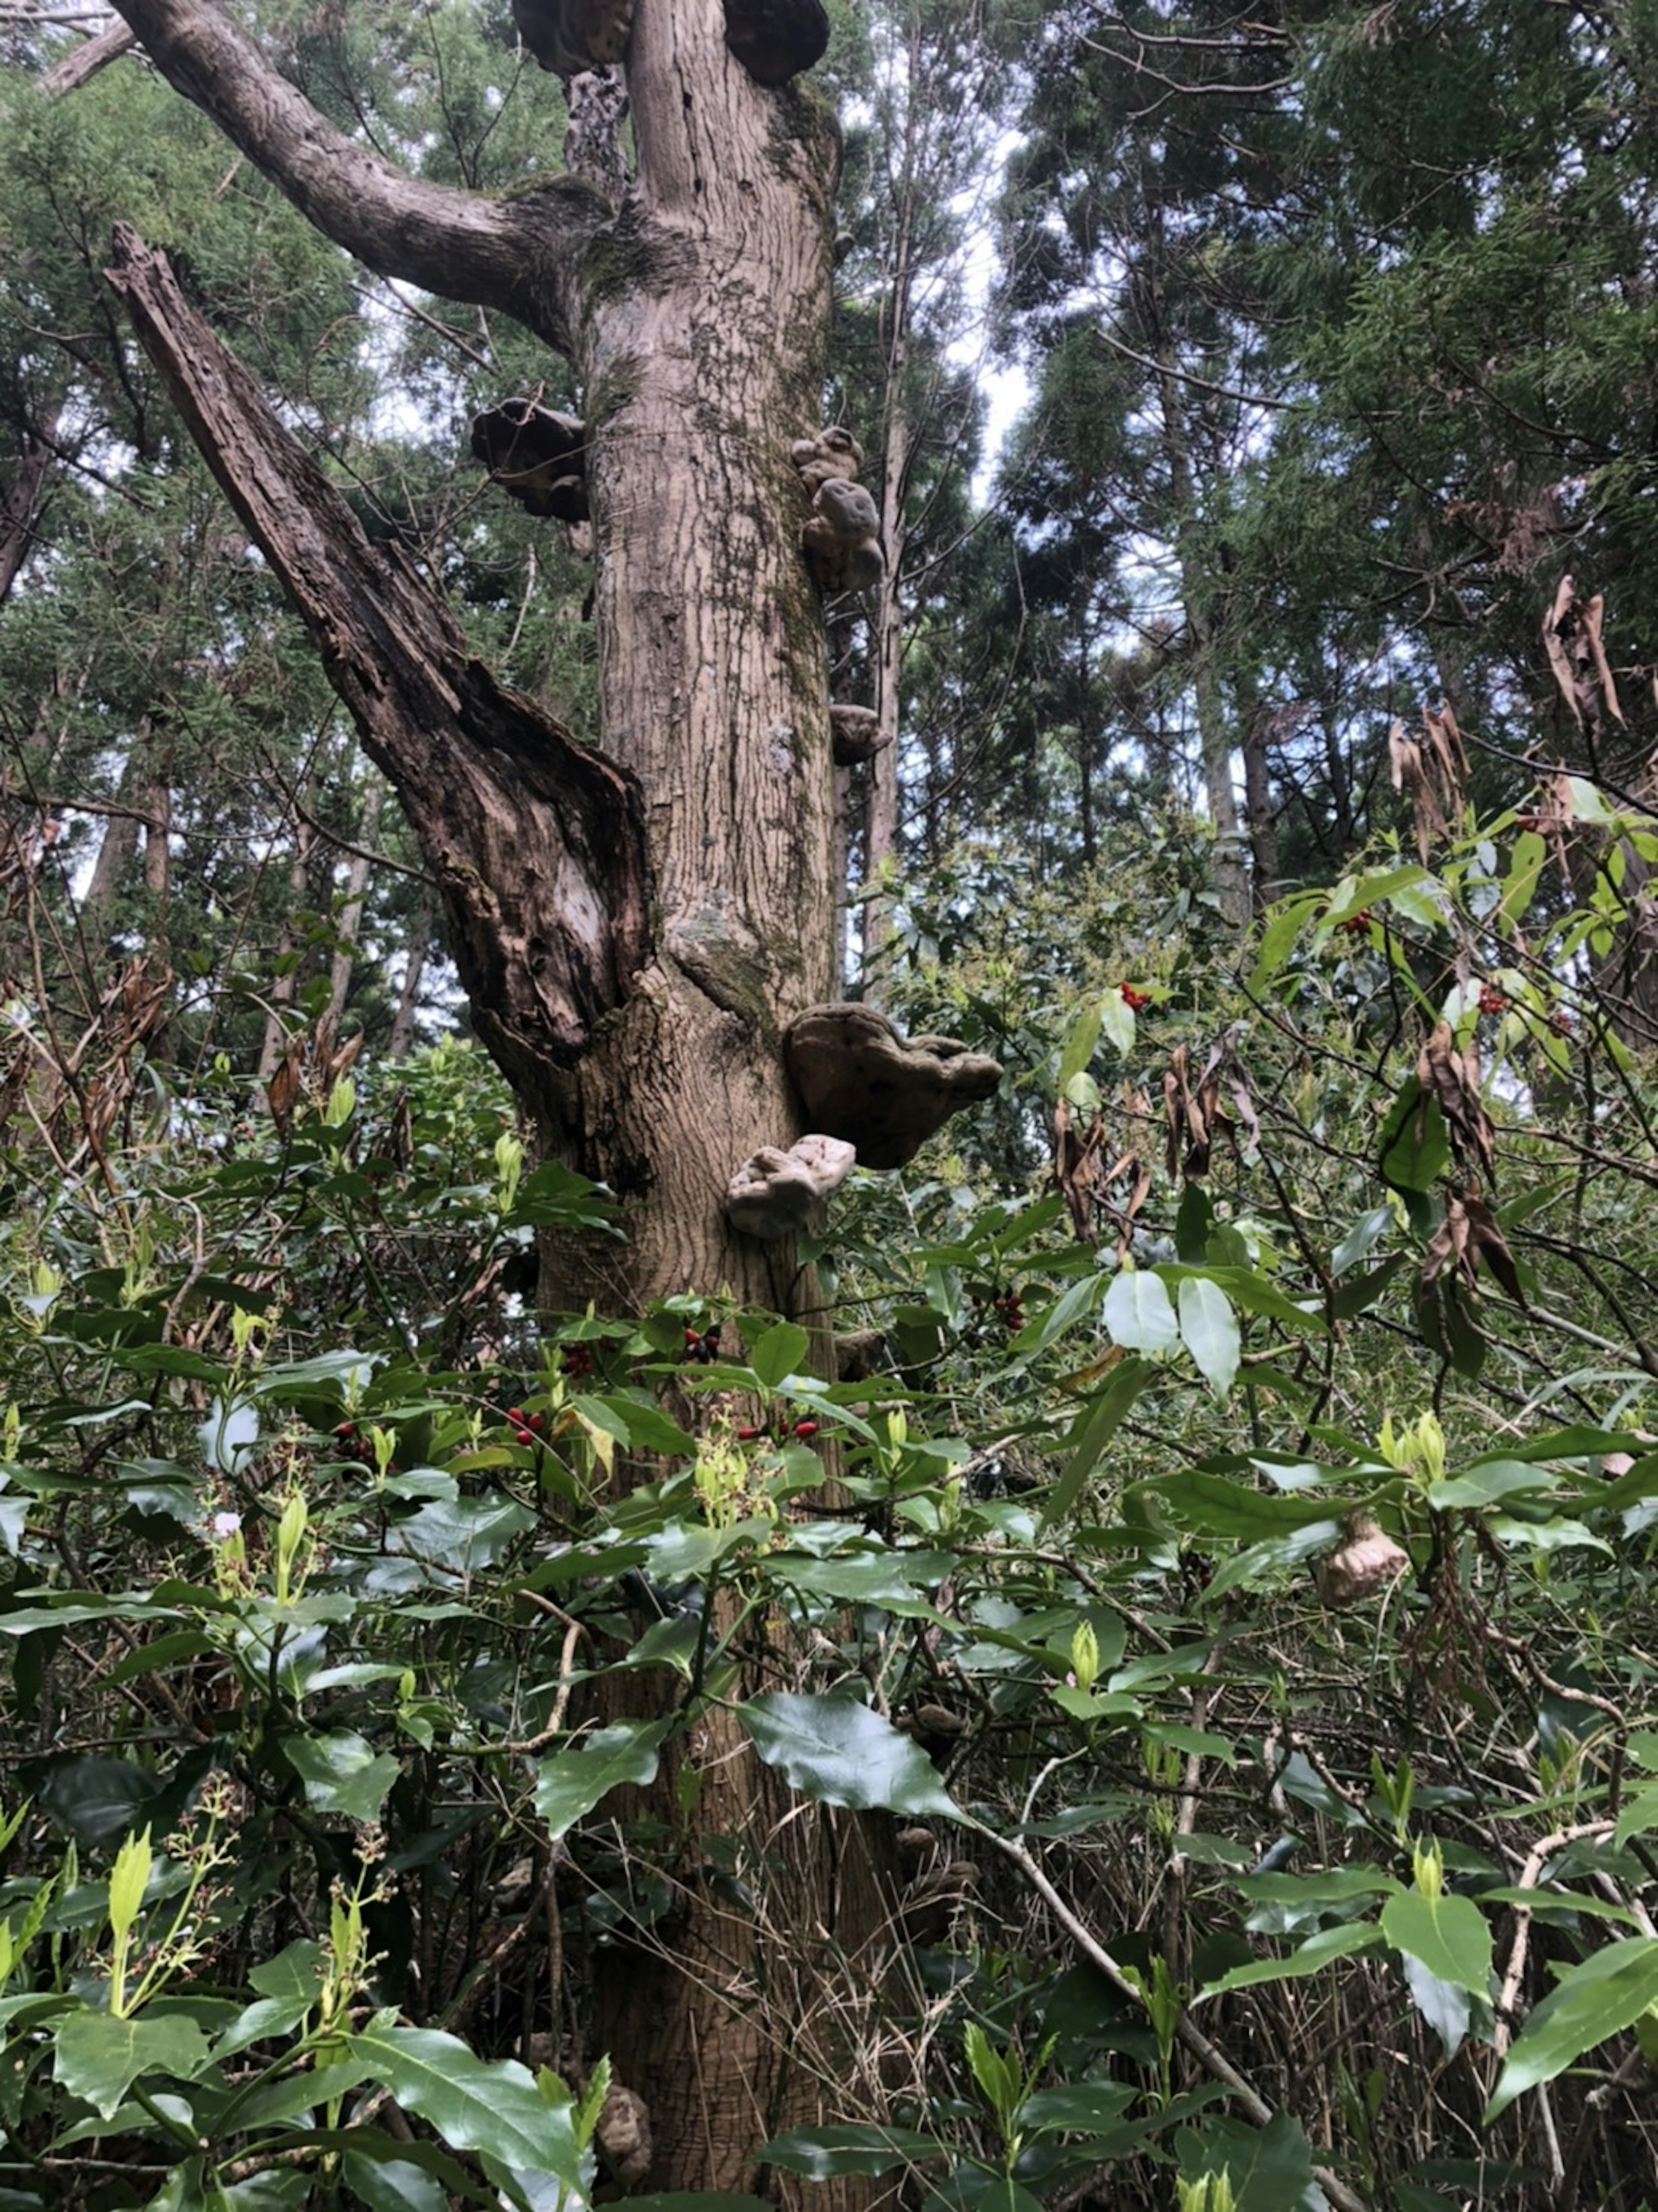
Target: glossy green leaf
{"points": [[825, 2153], [1601, 1996], [1209, 1330], [1090, 1435], [1449, 1934], [838, 1752], [782, 1352], [1311, 1957], [1270, 2168], [473, 2103], [342, 1773], [571, 1782], [1138, 1314], [99, 2057]]}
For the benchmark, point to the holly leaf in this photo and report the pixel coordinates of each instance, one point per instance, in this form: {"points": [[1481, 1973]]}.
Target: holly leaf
{"points": [[840, 1753]]}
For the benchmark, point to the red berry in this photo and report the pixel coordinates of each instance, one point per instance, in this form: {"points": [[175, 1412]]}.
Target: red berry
{"points": [[806, 1428], [1131, 999], [515, 1414], [1356, 925], [1492, 1000], [747, 1435], [1561, 1022], [522, 1437], [1528, 818], [536, 1421], [346, 1432]]}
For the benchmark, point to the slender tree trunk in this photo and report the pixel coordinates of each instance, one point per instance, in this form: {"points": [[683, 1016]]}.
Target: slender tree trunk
{"points": [[286, 983], [402, 1040], [20, 509], [1198, 596], [348, 927]]}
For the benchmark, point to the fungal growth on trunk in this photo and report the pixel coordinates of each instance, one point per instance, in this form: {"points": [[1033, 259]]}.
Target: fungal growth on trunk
{"points": [[856, 734], [536, 455], [859, 1079], [772, 1192], [569, 36], [832, 453], [776, 40], [841, 537]]}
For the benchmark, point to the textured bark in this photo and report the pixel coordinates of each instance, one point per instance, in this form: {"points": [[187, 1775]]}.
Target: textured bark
{"points": [[83, 63], [645, 1040], [517, 254], [20, 509], [534, 841]]}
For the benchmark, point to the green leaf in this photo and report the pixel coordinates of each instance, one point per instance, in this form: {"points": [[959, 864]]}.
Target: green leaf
{"points": [[1079, 1045], [473, 2103], [1270, 2168], [1449, 1934], [1090, 1436], [826, 2153], [641, 1423], [1487, 1481], [342, 1773], [1311, 1957], [1139, 1315], [840, 1753], [571, 1782], [1117, 1024], [1608, 1992], [1216, 1505], [1409, 1160], [1210, 1330], [98, 2057], [780, 1353], [393, 2183]]}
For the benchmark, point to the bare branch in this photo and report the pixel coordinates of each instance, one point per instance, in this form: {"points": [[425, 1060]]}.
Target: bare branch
{"points": [[519, 254]]}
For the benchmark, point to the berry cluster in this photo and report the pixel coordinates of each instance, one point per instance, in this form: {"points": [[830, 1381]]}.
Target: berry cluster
{"points": [[702, 1351], [778, 1430], [1010, 1304], [1492, 1000], [1131, 999], [578, 1361], [526, 1427], [1356, 925]]}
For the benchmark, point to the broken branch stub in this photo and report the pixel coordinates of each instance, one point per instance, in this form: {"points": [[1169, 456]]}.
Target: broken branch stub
{"points": [[536, 455], [860, 1080], [569, 36], [772, 1192], [482, 773]]}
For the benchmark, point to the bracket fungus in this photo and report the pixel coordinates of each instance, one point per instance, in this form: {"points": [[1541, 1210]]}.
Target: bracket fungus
{"points": [[855, 732], [536, 455], [833, 452], [569, 36], [772, 1192], [859, 1079], [776, 40], [1366, 1560], [841, 537]]}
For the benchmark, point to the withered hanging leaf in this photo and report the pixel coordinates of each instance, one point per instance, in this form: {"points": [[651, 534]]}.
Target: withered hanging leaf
{"points": [[1452, 1079], [283, 1088], [1193, 1113], [1076, 1166], [1572, 639], [1489, 1244], [1433, 769]]}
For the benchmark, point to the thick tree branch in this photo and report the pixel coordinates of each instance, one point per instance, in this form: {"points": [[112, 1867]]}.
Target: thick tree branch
{"points": [[517, 255], [536, 843]]}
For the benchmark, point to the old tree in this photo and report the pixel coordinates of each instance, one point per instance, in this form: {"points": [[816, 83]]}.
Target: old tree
{"points": [[637, 922]]}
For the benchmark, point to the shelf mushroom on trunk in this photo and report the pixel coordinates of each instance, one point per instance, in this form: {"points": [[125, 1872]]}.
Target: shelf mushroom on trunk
{"points": [[859, 1079], [773, 1192]]}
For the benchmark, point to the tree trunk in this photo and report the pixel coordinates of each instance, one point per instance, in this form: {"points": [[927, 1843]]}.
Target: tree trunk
{"points": [[633, 926], [349, 928]]}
